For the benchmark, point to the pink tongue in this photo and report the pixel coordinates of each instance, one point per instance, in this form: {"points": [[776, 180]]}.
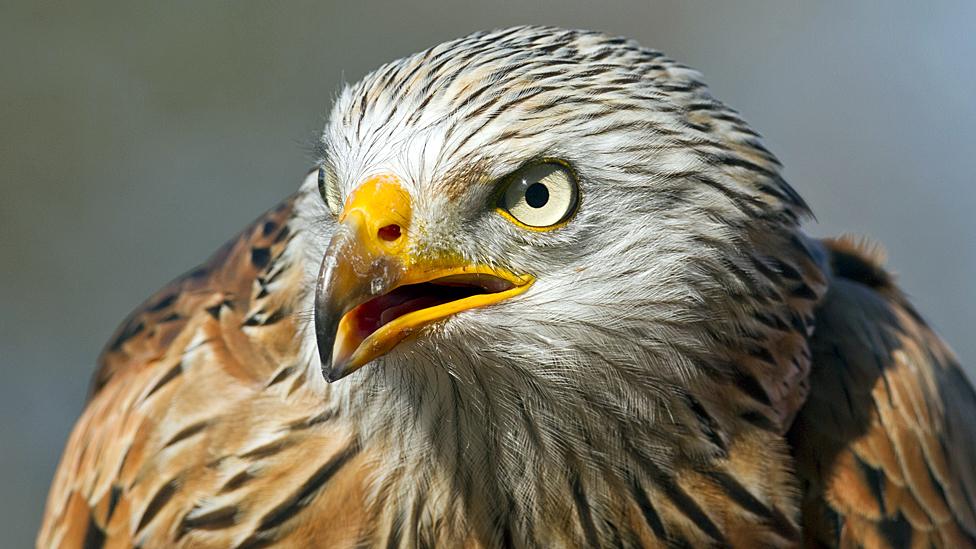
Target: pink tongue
{"points": [[408, 306], [376, 312]]}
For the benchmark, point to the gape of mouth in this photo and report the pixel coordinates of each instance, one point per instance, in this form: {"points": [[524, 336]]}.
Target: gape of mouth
{"points": [[403, 300]]}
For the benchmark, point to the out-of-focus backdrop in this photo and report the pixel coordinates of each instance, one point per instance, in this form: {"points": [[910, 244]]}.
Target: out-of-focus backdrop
{"points": [[137, 137]]}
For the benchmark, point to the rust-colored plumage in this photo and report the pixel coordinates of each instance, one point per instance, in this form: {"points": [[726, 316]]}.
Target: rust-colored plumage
{"points": [[883, 445], [200, 429], [776, 390]]}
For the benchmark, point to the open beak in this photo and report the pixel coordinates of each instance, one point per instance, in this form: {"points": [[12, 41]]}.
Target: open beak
{"points": [[373, 290]]}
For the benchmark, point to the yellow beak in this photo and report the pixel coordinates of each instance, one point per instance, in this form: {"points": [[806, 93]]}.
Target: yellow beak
{"points": [[374, 290]]}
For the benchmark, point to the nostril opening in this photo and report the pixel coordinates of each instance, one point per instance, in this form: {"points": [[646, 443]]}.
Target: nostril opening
{"points": [[389, 232]]}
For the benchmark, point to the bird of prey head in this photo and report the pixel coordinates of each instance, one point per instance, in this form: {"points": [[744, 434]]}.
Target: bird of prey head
{"points": [[551, 199], [547, 238]]}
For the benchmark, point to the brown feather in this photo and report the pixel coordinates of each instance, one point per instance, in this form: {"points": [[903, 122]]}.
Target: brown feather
{"points": [[871, 441]]}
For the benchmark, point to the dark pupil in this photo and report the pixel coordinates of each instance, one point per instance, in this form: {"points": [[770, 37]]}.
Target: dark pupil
{"points": [[537, 195]]}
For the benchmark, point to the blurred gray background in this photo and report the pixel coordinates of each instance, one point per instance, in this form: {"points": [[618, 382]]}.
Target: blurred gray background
{"points": [[136, 138]]}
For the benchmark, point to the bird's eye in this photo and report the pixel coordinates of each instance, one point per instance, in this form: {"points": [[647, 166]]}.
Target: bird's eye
{"points": [[540, 196], [327, 188]]}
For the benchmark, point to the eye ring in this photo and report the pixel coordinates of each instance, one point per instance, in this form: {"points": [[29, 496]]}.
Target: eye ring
{"points": [[540, 197]]}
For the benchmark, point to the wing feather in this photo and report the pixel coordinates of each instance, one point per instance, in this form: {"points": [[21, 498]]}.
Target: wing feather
{"points": [[186, 438], [885, 443]]}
